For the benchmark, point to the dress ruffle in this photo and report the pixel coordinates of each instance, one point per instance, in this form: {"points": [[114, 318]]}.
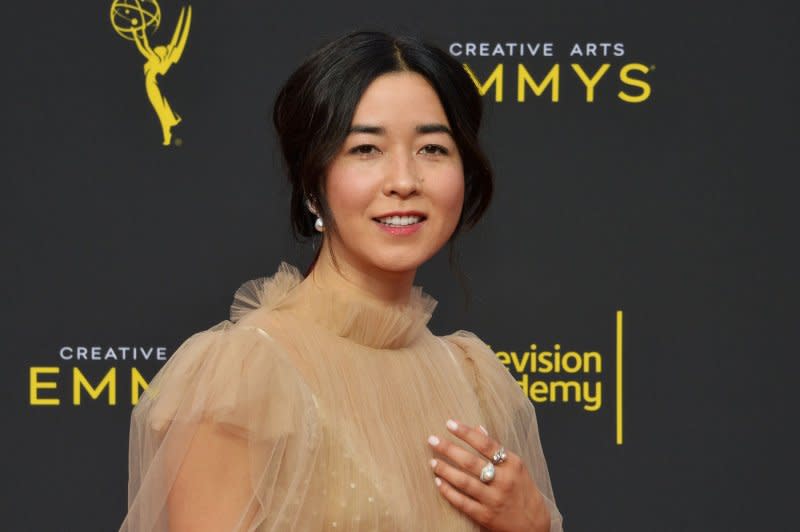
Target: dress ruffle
{"points": [[264, 292], [347, 313], [230, 397], [309, 410]]}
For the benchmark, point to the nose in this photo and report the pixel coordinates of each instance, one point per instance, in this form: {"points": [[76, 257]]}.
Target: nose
{"points": [[401, 178]]}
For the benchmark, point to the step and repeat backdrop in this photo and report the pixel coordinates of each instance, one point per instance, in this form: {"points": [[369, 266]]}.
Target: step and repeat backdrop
{"points": [[634, 272]]}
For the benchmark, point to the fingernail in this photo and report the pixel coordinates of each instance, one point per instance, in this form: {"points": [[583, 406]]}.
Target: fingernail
{"points": [[483, 429], [433, 462], [438, 481], [452, 425], [433, 440]]}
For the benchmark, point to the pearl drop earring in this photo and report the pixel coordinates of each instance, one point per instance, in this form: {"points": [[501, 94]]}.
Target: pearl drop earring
{"points": [[319, 225]]}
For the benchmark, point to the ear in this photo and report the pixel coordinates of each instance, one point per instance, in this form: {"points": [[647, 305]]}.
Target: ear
{"points": [[311, 207]]}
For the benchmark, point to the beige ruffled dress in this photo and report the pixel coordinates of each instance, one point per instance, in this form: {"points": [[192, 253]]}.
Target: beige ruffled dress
{"points": [[310, 410]]}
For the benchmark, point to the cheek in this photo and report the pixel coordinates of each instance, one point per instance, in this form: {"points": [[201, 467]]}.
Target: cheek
{"points": [[448, 196], [349, 192]]}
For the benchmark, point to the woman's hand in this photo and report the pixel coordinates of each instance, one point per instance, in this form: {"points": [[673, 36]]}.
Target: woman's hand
{"points": [[510, 502]]}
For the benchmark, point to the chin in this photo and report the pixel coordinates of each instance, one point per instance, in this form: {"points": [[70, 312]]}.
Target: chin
{"points": [[398, 262], [403, 265]]}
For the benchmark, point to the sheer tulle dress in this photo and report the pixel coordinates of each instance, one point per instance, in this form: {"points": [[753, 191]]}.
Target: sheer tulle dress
{"points": [[310, 410]]}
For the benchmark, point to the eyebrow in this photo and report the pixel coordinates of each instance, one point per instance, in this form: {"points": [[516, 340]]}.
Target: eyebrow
{"points": [[421, 129]]}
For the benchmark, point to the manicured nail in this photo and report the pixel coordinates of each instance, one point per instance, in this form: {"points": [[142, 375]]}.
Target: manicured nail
{"points": [[438, 481], [433, 462], [483, 429], [433, 440], [452, 425]]}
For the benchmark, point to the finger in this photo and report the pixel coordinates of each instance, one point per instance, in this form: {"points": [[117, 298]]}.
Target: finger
{"points": [[462, 481], [466, 460], [474, 437], [472, 508]]}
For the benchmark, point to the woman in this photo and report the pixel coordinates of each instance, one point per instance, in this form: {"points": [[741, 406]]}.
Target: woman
{"points": [[325, 403]]}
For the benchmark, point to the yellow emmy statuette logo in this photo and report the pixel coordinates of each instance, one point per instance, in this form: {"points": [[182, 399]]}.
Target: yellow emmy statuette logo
{"points": [[132, 19]]}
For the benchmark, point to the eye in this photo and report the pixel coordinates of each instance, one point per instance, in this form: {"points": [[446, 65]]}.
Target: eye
{"points": [[434, 149], [363, 149]]}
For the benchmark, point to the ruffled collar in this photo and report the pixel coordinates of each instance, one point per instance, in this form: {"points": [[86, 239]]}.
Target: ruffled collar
{"points": [[344, 311]]}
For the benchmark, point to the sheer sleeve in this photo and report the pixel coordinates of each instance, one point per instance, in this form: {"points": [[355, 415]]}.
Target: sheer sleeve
{"points": [[510, 415], [226, 437]]}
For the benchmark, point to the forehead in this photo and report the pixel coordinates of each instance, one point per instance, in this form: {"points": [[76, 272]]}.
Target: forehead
{"points": [[399, 98]]}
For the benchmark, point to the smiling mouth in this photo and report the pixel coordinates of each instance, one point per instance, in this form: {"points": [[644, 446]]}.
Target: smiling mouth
{"points": [[400, 221]]}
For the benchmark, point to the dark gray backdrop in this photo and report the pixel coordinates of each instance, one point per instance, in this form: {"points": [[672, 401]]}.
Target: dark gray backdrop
{"points": [[676, 210]]}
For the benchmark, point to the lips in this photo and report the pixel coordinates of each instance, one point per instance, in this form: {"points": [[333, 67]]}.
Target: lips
{"points": [[401, 219]]}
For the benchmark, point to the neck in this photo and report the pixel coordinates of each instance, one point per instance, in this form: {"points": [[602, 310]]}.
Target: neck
{"points": [[386, 286]]}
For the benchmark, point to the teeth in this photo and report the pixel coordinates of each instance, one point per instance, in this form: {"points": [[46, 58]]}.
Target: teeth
{"points": [[400, 220]]}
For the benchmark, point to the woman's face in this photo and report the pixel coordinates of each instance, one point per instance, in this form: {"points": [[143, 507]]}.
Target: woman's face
{"points": [[396, 187]]}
